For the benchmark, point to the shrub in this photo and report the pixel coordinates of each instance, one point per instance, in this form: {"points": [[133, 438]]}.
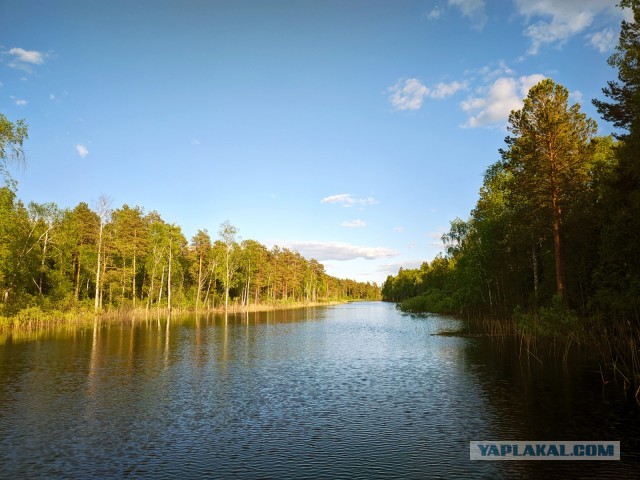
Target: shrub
{"points": [[547, 321], [433, 301]]}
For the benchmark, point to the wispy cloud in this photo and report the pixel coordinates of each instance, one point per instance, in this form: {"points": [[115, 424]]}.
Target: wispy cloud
{"points": [[436, 239], [82, 150], [354, 224], [603, 41], [398, 229], [576, 96], [25, 59], [553, 23], [19, 101], [493, 107], [348, 200], [435, 14], [409, 94], [491, 71], [444, 90], [393, 268], [339, 251], [58, 97], [27, 56], [474, 10]]}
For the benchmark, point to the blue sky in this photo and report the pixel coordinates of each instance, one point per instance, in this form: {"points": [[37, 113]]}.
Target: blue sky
{"points": [[352, 131]]}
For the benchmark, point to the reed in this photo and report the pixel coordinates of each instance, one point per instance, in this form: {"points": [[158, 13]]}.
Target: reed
{"points": [[612, 343]]}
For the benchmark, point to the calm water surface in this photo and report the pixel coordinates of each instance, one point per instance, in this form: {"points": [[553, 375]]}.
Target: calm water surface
{"points": [[351, 391]]}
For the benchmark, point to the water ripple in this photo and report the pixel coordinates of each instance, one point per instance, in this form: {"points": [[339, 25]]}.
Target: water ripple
{"points": [[354, 391]]}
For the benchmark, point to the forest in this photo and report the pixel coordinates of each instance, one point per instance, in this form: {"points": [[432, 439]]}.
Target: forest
{"points": [[555, 233], [59, 261]]}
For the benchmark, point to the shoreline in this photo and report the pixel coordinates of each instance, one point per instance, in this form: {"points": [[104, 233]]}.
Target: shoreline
{"points": [[233, 310], [34, 317], [612, 345]]}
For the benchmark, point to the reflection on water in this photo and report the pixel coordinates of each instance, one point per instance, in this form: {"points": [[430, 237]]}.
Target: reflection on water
{"points": [[354, 390]]}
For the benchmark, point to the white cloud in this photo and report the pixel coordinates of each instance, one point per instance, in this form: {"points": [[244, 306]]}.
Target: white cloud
{"points": [[444, 90], [409, 94], [393, 268], [491, 71], [348, 200], [604, 40], [525, 83], [435, 14], [576, 96], [542, 33], [82, 150], [473, 10], [560, 20], [504, 95], [436, 238], [195, 141], [24, 59], [339, 251], [20, 102], [354, 224], [57, 98], [398, 229], [27, 56], [340, 198], [627, 15]]}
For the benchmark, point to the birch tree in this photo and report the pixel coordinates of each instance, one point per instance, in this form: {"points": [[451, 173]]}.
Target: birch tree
{"points": [[104, 213], [201, 248], [44, 216], [12, 137], [228, 234]]}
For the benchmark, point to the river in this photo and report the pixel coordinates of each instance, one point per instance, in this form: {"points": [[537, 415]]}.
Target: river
{"points": [[349, 391]]}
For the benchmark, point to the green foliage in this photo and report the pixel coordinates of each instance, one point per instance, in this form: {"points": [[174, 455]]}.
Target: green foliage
{"points": [[618, 273], [431, 288], [554, 235], [547, 162], [548, 321], [624, 109], [37, 316], [12, 137], [434, 301], [50, 260]]}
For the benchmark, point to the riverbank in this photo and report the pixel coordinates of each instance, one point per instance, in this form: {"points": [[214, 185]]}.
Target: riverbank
{"points": [[34, 317], [556, 332]]}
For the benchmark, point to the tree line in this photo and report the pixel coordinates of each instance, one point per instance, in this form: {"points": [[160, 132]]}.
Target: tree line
{"points": [[104, 258], [557, 221]]}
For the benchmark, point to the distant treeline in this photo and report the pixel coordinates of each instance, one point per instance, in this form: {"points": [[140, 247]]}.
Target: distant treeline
{"points": [[555, 233], [103, 259]]}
